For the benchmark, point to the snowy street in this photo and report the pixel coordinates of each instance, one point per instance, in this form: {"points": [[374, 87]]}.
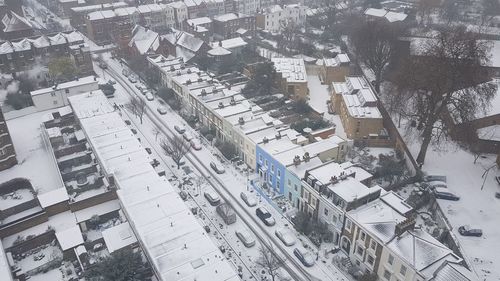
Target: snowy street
{"points": [[221, 183]]}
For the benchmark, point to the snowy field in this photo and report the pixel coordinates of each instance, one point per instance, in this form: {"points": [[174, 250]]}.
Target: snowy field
{"points": [[35, 161], [477, 206]]}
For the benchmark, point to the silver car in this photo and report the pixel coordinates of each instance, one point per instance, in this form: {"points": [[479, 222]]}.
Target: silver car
{"points": [[248, 199], [245, 238], [286, 236]]}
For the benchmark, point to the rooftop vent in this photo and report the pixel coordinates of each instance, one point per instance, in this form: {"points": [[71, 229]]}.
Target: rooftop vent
{"points": [[221, 105], [296, 160], [241, 121]]}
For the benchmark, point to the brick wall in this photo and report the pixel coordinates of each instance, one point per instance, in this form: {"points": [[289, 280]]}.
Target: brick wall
{"points": [[42, 239], [34, 220], [18, 208], [92, 201]]}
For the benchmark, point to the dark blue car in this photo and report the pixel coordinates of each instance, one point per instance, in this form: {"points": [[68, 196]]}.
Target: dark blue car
{"points": [[443, 193]]}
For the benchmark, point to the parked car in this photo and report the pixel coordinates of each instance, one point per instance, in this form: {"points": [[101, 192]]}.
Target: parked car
{"points": [[180, 129], [187, 136], [212, 197], [217, 168], [286, 236], [111, 82], [304, 256], [207, 228], [103, 65], [497, 178], [227, 213], [195, 144], [139, 86], [134, 131], [465, 230], [128, 122], [434, 184], [125, 73], [183, 195], [248, 199], [132, 79], [245, 238], [162, 110], [435, 178], [265, 216], [150, 97], [444, 193], [148, 150]]}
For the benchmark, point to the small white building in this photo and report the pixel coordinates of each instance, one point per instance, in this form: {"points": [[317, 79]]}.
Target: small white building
{"points": [[57, 95], [275, 18]]}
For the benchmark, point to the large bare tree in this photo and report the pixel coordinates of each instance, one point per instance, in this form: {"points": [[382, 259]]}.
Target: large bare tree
{"points": [[374, 42], [137, 106], [446, 82], [270, 261], [176, 148]]}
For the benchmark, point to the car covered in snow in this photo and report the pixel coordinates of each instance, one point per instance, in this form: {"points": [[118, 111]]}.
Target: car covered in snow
{"points": [[264, 215], [304, 256], [248, 199], [212, 197], [162, 110], [195, 144], [179, 129], [187, 136], [217, 168], [132, 79], [434, 184], [445, 194], [435, 178], [245, 237], [150, 97], [286, 236], [466, 230]]}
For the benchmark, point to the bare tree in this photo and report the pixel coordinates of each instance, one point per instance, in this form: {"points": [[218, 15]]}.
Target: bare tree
{"points": [[468, 139], [270, 261], [157, 132], [374, 43], [490, 9], [446, 84], [137, 106], [425, 9], [450, 10], [176, 148]]}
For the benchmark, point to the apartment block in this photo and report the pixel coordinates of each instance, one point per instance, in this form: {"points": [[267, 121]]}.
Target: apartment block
{"points": [[227, 25]]}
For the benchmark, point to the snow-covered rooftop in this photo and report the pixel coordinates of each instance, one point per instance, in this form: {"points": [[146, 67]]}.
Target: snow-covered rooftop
{"points": [[337, 60], [315, 148], [118, 237], [378, 218], [71, 84], [144, 40], [99, 209], [218, 51], [388, 15], [396, 202], [53, 197], [69, 238], [176, 244], [293, 70], [90, 8], [226, 17], [358, 97], [229, 44], [198, 21], [489, 133], [421, 251], [453, 271]]}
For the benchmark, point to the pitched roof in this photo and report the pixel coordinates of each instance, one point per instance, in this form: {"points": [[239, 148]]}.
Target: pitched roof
{"points": [[13, 22], [144, 40], [189, 42], [420, 250], [453, 271]]}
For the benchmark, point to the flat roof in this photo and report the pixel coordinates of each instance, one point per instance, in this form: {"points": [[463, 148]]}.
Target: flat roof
{"points": [[99, 210], [53, 197], [118, 237], [69, 238], [293, 70], [71, 84], [174, 241]]}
